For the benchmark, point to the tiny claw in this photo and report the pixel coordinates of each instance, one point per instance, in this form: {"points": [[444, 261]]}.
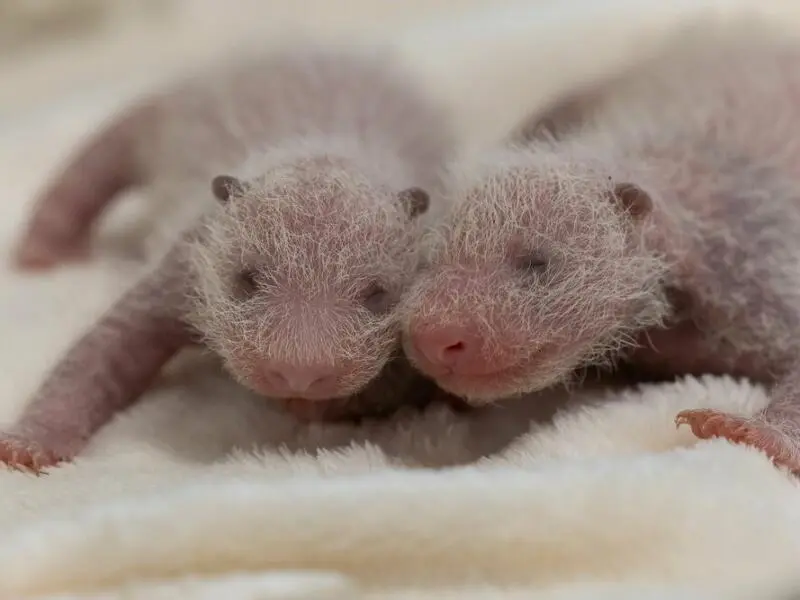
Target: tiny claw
{"points": [[26, 456], [780, 448], [706, 423]]}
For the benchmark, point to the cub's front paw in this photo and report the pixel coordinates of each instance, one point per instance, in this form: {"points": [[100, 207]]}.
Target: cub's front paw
{"points": [[22, 454], [706, 424]]}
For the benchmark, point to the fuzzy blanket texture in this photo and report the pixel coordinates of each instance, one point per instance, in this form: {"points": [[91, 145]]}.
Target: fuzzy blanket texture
{"points": [[204, 491]]}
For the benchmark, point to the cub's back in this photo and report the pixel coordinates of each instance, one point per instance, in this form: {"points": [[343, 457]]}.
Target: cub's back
{"points": [[241, 108]]}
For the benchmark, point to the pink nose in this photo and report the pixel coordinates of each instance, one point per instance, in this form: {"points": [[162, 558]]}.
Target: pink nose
{"points": [[453, 347], [300, 379]]}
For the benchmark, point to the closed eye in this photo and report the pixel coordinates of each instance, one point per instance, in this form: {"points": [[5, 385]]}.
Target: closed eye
{"points": [[532, 263], [246, 283], [423, 265], [376, 298]]}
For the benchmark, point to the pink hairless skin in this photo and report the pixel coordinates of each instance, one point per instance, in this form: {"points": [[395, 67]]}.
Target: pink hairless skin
{"points": [[318, 167], [654, 226]]}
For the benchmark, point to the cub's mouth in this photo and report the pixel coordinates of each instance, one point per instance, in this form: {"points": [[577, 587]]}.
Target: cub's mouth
{"points": [[340, 410], [484, 387], [308, 410], [524, 377], [351, 410]]}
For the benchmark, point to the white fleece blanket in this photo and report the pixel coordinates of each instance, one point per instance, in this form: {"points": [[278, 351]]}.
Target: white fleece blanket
{"points": [[202, 491]]}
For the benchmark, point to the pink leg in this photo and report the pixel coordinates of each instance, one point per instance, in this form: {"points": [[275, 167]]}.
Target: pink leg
{"points": [[103, 373], [775, 431], [63, 216]]}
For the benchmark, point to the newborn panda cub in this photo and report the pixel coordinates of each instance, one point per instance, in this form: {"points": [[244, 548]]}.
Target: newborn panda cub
{"points": [[659, 230], [314, 168]]}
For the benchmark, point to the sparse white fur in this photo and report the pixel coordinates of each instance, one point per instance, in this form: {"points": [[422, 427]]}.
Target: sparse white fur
{"points": [[328, 159], [316, 254], [341, 134], [704, 133], [597, 266], [325, 138]]}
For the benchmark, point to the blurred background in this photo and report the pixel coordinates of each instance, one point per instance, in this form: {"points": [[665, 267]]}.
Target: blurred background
{"points": [[49, 47], [65, 64]]}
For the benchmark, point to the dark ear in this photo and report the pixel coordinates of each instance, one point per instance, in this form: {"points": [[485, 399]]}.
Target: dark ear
{"points": [[632, 199], [224, 187], [415, 201]]}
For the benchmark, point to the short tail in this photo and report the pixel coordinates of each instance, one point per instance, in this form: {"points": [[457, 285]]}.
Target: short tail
{"points": [[63, 216]]}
